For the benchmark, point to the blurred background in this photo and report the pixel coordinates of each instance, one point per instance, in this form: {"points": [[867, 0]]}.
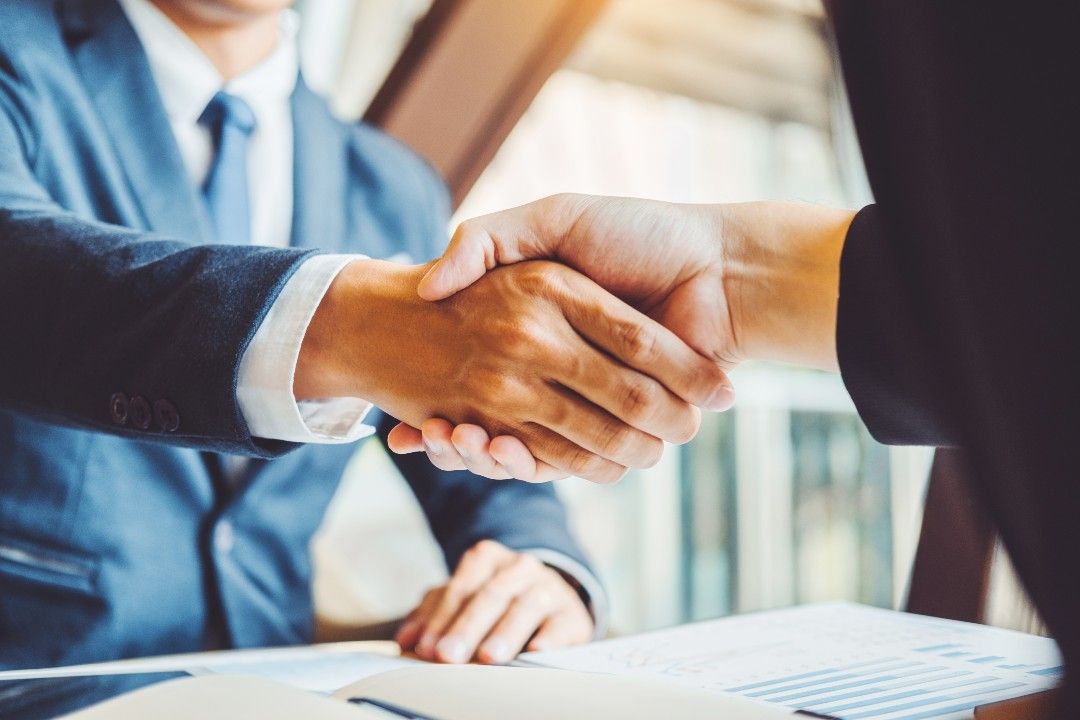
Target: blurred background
{"points": [[785, 499]]}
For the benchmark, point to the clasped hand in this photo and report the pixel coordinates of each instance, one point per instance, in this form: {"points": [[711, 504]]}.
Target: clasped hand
{"points": [[735, 282], [536, 351]]}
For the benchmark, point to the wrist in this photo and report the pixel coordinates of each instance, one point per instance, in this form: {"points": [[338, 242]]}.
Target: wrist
{"points": [[781, 278], [349, 336]]}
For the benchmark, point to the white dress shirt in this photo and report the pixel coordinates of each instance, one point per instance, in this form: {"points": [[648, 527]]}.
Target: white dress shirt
{"points": [[186, 81]]}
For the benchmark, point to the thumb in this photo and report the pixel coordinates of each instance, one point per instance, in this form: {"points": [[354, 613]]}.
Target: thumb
{"points": [[470, 254], [531, 231]]}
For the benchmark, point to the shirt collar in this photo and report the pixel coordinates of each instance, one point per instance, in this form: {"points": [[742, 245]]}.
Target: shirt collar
{"points": [[186, 78]]}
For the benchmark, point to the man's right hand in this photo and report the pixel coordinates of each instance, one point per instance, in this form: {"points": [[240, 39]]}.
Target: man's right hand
{"points": [[590, 385]]}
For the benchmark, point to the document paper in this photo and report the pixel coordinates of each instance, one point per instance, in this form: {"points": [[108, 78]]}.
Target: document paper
{"points": [[836, 659]]}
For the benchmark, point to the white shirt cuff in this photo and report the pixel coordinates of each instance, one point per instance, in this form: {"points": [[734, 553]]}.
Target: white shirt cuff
{"points": [[267, 369], [598, 602]]}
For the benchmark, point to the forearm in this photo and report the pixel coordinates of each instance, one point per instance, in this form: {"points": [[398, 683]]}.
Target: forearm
{"points": [[92, 311], [781, 278]]}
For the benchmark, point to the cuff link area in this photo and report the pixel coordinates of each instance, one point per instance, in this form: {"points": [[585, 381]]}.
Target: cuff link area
{"points": [[137, 412]]}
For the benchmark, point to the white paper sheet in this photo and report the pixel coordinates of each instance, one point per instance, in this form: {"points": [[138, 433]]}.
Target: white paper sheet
{"points": [[837, 659]]}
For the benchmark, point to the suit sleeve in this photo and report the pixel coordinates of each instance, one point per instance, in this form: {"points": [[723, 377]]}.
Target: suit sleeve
{"points": [[886, 359], [93, 314]]}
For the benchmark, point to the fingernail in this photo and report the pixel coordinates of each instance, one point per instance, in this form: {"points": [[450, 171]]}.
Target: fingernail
{"points": [[498, 650], [424, 281], [721, 399], [431, 448], [453, 649]]}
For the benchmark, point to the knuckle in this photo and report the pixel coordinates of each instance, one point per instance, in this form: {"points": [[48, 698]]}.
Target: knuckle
{"points": [[583, 463], [576, 364], [639, 400], [641, 342], [617, 440], [703, 378], [559, 413], [493, 386], [524, 335], [541, 278], [526, 602], [455, 590], [486, 548], [527, 563]]}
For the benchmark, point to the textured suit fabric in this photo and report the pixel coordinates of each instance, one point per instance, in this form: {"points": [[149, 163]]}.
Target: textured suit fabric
{"points": [[958, 299], [117, 541]]}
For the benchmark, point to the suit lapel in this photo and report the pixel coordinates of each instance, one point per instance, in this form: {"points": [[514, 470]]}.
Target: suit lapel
{"points": [[117, 78], [320, 176]]}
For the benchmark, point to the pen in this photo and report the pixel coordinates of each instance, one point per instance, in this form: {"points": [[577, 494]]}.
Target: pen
{"points": [[390, 708], [819, 716]]}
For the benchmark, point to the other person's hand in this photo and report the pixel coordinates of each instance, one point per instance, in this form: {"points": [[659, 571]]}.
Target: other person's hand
{"points": [[757, 280], [590, 385], [497, 603]]}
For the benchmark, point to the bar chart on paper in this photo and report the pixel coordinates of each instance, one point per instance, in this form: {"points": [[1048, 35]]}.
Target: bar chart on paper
{"points": [[836, 659]]}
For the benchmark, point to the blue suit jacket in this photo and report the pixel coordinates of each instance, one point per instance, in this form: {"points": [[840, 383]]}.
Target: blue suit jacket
{"points": [[107, 531]]}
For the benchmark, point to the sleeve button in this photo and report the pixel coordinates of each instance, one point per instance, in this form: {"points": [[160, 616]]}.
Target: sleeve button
{"points": [[166, 416], [139, 411], [118, 408]]}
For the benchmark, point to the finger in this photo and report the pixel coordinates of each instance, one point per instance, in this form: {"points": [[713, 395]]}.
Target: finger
{"points": [[555, 450], [409, 633], [635, 398], [512, 454], [598, 431], [644, 344], [485, 607], [404, 439], [477, 566], [572, 627], [471, 443], [526, 614], [436, 438]]}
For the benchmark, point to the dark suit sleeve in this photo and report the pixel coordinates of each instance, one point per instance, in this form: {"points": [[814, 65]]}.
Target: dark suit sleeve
{"points": [[89, 310], [886, 358], [968, 117], [463, 508]]}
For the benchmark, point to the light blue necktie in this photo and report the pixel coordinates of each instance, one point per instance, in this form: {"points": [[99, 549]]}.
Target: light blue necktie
{"points": [[230, 121]]}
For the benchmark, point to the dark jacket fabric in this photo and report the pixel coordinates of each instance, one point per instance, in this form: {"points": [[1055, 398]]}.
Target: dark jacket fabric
{"points": [[123, 538], [959, 289]]}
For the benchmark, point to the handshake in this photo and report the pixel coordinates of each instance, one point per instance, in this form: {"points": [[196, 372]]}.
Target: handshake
{"points": [[576, 334]]}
